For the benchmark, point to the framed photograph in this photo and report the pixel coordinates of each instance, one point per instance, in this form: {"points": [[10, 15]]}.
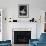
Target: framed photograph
{"points": [[23, 11]]}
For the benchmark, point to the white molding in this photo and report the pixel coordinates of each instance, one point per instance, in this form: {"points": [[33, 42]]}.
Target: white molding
{"points": [[1, 25], [21, 29]]}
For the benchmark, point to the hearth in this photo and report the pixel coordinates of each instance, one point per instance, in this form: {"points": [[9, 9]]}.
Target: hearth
{"points": [[22, 37]]}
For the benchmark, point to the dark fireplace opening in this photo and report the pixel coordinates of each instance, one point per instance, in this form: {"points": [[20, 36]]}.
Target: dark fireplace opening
{"points": [[22, 37]]}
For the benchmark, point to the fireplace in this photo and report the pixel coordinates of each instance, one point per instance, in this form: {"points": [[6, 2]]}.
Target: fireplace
{"points": [[22, 37]]}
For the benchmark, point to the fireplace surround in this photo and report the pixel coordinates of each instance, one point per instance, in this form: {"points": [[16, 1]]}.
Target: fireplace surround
{"points": [[21, 35]]}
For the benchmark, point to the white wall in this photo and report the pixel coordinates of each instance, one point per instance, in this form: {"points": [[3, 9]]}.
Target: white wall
{"points": [[34, 3], [11, 10], [40, 26]]}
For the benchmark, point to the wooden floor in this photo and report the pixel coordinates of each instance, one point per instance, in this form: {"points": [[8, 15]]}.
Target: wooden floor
{"points": [[20, 45]]}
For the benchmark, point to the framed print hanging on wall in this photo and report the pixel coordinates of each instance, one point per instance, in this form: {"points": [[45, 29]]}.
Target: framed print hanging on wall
{"points": [[23, 11]]}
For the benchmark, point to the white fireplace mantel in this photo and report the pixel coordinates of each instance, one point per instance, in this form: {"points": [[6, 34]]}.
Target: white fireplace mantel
{"points": [[26, 27], [21, 29]]}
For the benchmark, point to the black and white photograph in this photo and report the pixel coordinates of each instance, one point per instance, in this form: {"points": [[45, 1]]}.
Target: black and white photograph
{"points": [[23, 11]]}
